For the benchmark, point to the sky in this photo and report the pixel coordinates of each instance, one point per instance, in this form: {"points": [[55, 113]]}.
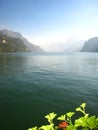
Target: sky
{"points": [[47, 22]]}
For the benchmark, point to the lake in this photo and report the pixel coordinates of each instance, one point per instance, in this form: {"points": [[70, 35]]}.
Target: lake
{"points": [[32, 85]]}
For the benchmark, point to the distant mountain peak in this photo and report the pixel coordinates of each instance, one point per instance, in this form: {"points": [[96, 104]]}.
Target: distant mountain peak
{"points": [[11, 33]]}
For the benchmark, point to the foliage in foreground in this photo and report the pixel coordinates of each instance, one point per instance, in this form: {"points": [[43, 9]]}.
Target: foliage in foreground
{"points": [[84, 122]]}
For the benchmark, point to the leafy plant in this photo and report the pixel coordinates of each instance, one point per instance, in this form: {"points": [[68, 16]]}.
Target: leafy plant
{"points": [[84, 122]]}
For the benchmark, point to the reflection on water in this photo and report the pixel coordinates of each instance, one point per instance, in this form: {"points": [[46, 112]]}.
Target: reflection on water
{"points": [[3, 60]]}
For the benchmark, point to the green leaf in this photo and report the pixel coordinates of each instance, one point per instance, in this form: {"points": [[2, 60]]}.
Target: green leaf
{"points": [[82, 121], [78, 109], [33, 128], [78, 122], [50, 117], [62, 117], [70, 114], [97, 121], [47, 127], [85, 129], [83, 105], [91, 122], [71, 128], [81, 108]]}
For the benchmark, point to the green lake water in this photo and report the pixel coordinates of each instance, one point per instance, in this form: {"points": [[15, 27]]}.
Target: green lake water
{"points": [[32, 85]]}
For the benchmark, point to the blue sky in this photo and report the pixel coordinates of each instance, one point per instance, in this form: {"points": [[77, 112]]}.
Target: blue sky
{"points": [[50, 21]]}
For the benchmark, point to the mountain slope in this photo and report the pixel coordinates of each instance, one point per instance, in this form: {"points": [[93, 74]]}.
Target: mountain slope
{"points": [[8, 44], [31, 47], [91, 45]]}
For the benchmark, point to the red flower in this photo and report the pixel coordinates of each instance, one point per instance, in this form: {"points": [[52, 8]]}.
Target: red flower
{"points": [[63, 124]]}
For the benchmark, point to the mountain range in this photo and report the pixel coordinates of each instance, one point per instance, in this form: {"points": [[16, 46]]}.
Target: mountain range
{"points": [[11, 41], [71, 45], [90, 45]]}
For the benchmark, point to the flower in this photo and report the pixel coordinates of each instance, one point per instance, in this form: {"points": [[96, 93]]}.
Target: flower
{"points": [[63, 124]]}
